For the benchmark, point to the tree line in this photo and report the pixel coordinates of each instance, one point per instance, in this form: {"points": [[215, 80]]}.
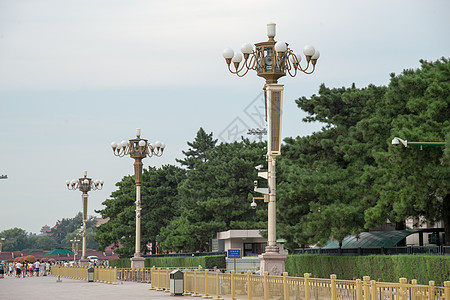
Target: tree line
{"points": [[342, 180], [66, 229]]}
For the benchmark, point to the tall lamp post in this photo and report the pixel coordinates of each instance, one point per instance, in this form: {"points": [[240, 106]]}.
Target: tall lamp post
{"points": [[138, 149], [2, 240], [271, 60], [84, 184]]}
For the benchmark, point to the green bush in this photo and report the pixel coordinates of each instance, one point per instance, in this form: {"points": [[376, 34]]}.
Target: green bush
{"points": [[120, 262], [207, 262], [388, 268]]}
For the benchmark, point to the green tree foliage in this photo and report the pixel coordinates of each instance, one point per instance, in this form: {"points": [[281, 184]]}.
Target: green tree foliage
{"points": [[320, 190], [160, 203], [68, 225], [16, 239], [45, 242], [215, 194], [348, 178], [415, 181], [196, 154]]}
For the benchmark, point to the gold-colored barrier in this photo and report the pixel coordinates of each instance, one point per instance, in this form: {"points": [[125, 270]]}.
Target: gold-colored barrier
{"points": [[101, 274], [217, 285]]}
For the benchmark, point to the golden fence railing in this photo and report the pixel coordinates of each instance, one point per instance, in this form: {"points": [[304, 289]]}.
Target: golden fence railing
{"points": [[218, 285], [101, 274]]}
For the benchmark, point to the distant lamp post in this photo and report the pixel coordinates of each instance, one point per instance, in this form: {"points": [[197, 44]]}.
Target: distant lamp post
{"points": [[138, 149], [84, 184], [257, 131], [75, 242], [271, 60], [396, 141], [2, 240]]}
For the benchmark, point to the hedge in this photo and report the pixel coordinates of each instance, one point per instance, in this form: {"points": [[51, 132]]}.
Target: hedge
{"points": [[207, 262], [387, 268]]}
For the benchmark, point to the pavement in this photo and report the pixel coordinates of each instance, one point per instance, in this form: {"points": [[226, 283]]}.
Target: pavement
{"points": [[47, 287]]}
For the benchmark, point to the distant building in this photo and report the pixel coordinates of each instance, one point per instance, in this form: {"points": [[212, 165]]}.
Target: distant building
{"points": [[45, 230]]}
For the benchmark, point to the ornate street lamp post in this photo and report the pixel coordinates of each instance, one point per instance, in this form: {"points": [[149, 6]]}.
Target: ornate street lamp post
{"points": [[271, 60], [138, 149], [84, 184]]}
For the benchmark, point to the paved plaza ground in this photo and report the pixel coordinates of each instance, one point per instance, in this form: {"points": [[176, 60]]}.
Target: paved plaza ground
{"points": [[36, 288]]}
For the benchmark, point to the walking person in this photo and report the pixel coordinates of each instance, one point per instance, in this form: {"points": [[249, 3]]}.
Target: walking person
{"points": [[18, 269], [37, 264]]}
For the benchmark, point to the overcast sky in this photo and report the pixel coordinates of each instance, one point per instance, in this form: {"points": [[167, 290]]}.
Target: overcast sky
{"points": [[77, 75]]}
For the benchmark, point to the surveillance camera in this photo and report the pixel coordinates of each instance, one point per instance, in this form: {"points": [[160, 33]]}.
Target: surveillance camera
{"points": [[253, 205], [259, 167], [255, 183], [395, 142]]}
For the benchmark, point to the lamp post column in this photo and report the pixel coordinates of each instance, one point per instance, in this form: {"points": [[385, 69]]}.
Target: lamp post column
{"points": [[83, 260], [137, 262], [272, 207]]}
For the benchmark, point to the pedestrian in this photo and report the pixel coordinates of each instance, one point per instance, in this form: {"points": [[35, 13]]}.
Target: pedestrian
{"points": [[2, 270], [30, 269], [18, 269]]}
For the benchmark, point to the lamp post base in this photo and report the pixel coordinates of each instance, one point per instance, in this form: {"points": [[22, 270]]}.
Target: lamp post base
{"points": [[84, 262], [272, 262], [137, 262]]}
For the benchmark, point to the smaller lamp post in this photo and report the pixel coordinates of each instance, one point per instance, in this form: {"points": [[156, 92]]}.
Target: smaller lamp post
{"points": [[138, 149], [396, 141], [1, 244], [84, 184], [75, 242]]}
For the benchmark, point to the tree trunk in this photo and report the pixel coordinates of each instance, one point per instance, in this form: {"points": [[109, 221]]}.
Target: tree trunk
{"points": [[446, 219]]}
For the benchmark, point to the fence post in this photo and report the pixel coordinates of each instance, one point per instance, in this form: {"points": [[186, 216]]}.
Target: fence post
{"points": [[159, 289], [447, 290], [359, 290], [195, 294], [307, 293], [167, 281], [152, 278], [431, 289], [403, 282], [115, 276], [413, 289], [218, 286], [206, 296], [266, 285], [285, 286], [249, 285], [186, 292], [366, 280], [373, 289], [233, 287], [333, 286]]}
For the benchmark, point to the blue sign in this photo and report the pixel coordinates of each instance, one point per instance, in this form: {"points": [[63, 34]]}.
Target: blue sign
{"points": [[234, 253]]}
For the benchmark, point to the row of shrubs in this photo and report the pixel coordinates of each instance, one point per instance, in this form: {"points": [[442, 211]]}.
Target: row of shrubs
{"points": [[207, 262], [387, 268]]}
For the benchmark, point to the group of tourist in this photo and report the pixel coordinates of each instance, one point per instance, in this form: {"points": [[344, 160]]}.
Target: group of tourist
{"points": [[24, 269]]}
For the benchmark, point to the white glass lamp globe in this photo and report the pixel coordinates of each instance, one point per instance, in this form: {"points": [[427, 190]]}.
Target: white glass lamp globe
{"points": [[114, 145], [124, 144], [309, 50], [141, 143], [228, 53], [247, 48], [280, 47], [316, 55], [237, 58]]}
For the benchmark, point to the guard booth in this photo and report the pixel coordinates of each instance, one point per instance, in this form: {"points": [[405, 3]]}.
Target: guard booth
{"points": [[176, 283], [90, 274]]}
